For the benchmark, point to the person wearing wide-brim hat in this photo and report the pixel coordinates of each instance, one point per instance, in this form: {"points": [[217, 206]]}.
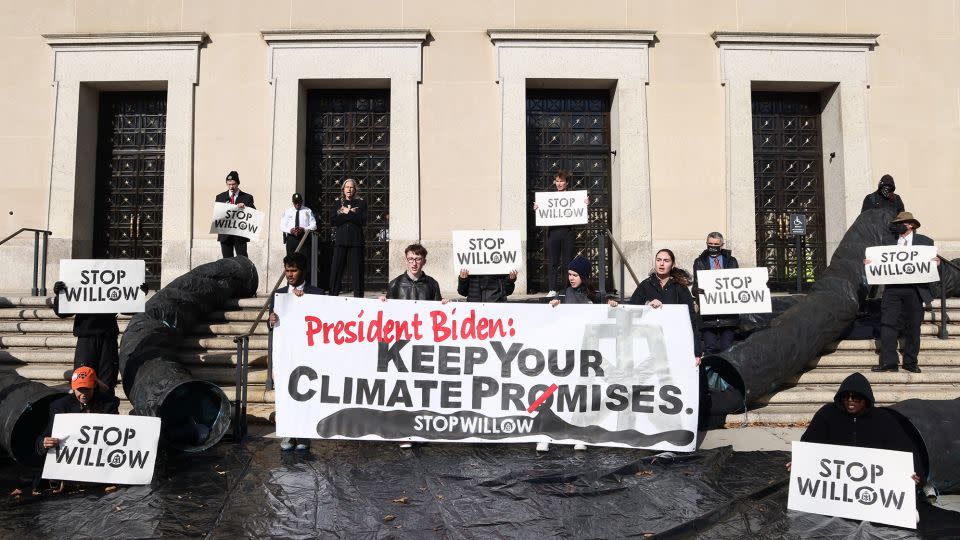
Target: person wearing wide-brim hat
{"points": [[902, 305]]}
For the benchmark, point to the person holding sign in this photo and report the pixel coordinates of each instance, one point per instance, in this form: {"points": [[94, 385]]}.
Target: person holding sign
{"points": [[231, 245], [294, 270], [717, 330], [349, 216], [296, 221], [902, 305], [559, 246], [87, 395], [414, 284], [486, 288], [668, 284]]}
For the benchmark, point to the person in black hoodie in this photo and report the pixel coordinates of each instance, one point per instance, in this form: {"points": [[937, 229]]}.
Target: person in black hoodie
{"points": [[487, 288], [854, 420], [87, 395], [883, 197], [717, 331]]}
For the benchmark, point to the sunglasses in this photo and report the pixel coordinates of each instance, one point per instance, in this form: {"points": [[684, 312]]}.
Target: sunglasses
{"points": [[852, 397]]}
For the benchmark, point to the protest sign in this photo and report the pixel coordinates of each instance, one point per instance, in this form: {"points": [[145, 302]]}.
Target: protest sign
{"points": [[561, 208], [857, 483], [423, 371], [102, 286], [487, 252], [103, 448], [736, 290], [228, 219], [891, 265]]}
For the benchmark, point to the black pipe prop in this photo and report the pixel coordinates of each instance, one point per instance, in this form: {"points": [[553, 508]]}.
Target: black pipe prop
{"points": [[934, 424], [24, 412], [762, 362], [195, 414]]}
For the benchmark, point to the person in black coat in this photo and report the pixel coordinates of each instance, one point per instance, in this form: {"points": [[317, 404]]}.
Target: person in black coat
{"points": [[486, 288], [231, 245], [854, 420], [414, 284], [559, 245], [883, 197], [668, 284], [87, 395], [717, 331], [348, 216], [902, 305]]}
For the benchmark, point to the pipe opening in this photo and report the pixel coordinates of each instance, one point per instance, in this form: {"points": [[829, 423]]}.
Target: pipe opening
{"points": [[194, 416]]}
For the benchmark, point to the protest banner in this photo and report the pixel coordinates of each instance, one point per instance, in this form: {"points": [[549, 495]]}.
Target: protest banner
{"points": [[856, 483], [734, 290], [228, 219], [561, 208], [892, 265], [487, 252], [424, 371], [102, 286], [103, 448]]}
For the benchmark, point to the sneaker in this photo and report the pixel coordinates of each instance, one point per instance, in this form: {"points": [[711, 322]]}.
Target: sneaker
{"points": [[287, 444], [551, 294], [406, 445], [303, 445], [580, 447], [543, 447]]}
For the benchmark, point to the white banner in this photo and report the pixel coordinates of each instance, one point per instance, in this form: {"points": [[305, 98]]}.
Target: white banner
{"points": [[736, 290], [102, 286], [856, 483], [890, 265], [103, 448], [487, 252], [423, 371], [561, 208], [228, 219]]}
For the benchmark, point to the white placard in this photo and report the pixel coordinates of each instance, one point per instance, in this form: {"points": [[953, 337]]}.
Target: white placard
{"points": [[102, 286], [734, 290], [424, 371], [103, 448], [228, 219], [487, 252], [891, 265], [561, 208], [850, 482]]}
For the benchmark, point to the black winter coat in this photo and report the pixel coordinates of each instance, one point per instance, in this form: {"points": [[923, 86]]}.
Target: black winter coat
{"points": [[876, 427], [672, 293], [495, 288], [349, 227], [100, 404], [404, 288], [877, 200], [90, 324], [703, 263], [240, 198], [579, 295]]}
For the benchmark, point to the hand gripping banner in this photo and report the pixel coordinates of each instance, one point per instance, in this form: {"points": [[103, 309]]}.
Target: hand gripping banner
{"points": [[464, 372]]}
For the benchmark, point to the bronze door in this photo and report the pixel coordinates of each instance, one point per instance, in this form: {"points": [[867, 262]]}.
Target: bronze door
{"points": [[348, 136], [128, 208], [568, 130], [788, 178]]}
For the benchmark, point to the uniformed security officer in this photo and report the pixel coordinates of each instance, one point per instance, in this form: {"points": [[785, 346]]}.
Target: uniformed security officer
{"points": [[296, 221]]}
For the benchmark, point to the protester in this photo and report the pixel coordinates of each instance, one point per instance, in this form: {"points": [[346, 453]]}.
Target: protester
{"points": [[668, 284], [486, 288], [717, 331], [902, 305], [559, 246], [349, 216], [854, 420], [295, 223], [413, 284], [883, 197], [96, 335], [294, 270], [231, 245], [87, 395]]}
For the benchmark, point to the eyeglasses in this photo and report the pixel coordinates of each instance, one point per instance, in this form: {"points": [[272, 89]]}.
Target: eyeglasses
{"points": [[414, 259], [852, 397]]}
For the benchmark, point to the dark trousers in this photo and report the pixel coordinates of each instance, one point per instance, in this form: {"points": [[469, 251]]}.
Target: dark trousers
{"points": [[340, 256], [559, 255], [900, 308], [716, 339], [291, 242], [99, 353], [233, 245]]}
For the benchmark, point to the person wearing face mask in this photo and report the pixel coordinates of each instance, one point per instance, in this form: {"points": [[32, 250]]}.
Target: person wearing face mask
{"points": [[902, 305], [717, 330], [884, 196]]}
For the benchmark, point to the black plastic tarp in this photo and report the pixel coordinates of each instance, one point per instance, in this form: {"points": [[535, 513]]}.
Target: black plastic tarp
{"points": [[377, 490]]}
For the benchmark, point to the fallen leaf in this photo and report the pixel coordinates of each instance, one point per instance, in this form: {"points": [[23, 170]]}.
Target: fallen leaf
{"points": [[647, 535], [644, 473], [16, 492], [402, 500], [119, 508], [439, 497], [109, 489], [389, 517]]}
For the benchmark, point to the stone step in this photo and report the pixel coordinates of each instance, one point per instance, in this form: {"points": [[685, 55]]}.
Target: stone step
{"points": [[928, 375], [927, 343], [790, 414], [65, 356], [867, 359], [52, 374], [69, 341], [883, 393]]}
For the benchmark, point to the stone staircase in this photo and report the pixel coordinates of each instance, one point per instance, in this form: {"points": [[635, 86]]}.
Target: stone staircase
{"points": [[38, 345]]}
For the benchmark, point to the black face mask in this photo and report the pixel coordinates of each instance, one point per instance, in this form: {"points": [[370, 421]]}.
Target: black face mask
{"points": [[713, 251], [898, 228], [886, 191]]}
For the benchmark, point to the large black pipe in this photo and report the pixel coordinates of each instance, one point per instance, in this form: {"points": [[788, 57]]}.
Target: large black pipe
{"points": [[762, 362], [24, 413], [949, 278], [934, 425], [195, 414]]}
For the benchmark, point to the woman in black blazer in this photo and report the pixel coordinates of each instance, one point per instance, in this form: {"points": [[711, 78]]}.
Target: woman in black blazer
{"points": [[348, 216]]}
